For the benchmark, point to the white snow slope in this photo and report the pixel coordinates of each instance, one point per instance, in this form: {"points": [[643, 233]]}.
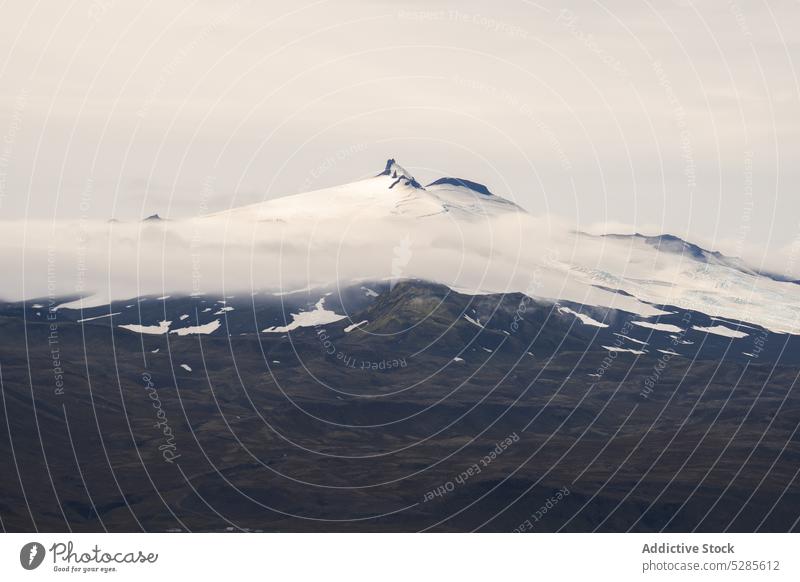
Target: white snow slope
{"points": [[388, 227]]}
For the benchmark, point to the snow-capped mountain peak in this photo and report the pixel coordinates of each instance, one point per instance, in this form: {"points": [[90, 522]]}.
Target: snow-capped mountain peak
{"points": [[388, 227], [399, 173], [392, 194]]}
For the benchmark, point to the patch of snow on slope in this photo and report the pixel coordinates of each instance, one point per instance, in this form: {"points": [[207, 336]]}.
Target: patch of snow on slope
{"points": [[721, 330], [585, 319], [634, 340], [204, 329], [616, 349], [84, 303], [319, 316], [161, 328], [98, 317], [658, 326], [473, 321], [350, 328]]}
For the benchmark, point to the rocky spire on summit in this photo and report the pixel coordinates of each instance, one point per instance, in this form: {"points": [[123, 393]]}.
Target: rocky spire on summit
{"points": [[399, 174]]}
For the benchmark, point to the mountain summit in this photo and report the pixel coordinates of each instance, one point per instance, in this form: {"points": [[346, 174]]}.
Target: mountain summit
{"points": [[399, 173], [393, 193]]}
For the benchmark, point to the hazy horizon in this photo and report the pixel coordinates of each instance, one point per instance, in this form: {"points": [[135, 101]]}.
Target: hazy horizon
{"points": [[677, 118]]}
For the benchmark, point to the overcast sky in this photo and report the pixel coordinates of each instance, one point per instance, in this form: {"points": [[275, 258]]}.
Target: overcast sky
{"points": [[679, 117]]}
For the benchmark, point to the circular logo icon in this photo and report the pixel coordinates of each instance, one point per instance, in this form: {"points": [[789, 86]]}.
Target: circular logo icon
{"points": [[31, 555]]}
